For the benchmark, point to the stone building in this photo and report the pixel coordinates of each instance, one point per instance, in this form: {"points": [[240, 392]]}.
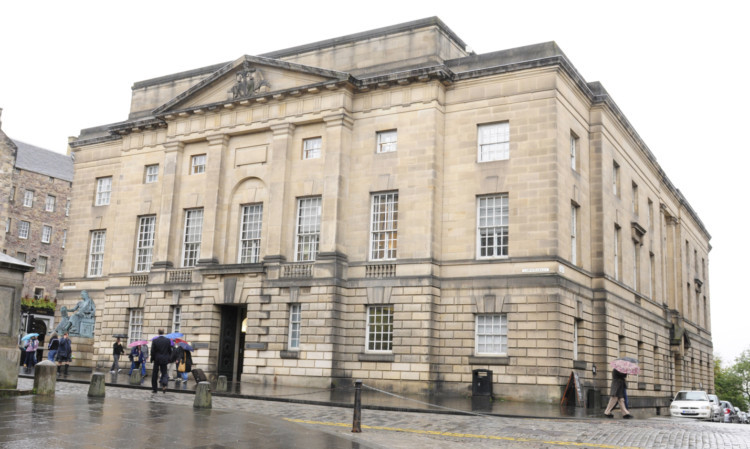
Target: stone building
{"points": [[37, 184], [391, 207]]}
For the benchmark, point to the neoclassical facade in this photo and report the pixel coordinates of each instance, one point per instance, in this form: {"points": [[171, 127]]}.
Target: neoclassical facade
{"points": [[391, 207]]}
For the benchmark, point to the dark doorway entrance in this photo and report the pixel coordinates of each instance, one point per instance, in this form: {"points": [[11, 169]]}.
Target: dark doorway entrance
{"points": [[231, 343]]}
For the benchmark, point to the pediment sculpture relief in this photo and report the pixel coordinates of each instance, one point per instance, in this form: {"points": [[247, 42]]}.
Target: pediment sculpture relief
{"points": [[249, 81]]}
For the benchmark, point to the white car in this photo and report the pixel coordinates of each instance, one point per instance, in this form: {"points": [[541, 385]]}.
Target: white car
{"points": [[691, 404]]}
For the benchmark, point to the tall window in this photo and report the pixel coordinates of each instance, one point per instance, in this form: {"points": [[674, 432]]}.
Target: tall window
{"points": [[49, 204], [103, 191], [41, 264], [250, 227], [575, 339], [311, 148], [176, 318], [574, 234], [64, 238], [152, 173], [135, 325], [12, 196], [145, 245], [28, 198], [308, 229], [96, 253], [494, 142], [650, 214], [492, 226], [294, 326], [618, 262], [573, 151], [379, 328], [7, 225], [67, 208], [615, 179], [634, 205], [46, 234], [387, 141], [491, 334], [23, 229], [191, 242], [384, 226], [651, 275], [198, 164]]}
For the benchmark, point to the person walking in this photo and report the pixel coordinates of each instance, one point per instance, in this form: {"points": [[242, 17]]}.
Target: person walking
{"points": [[117, 351], [64, 354], [184, 363], [617, 395], [54, 343], [137, 360], [161, 356], [30, 359]]}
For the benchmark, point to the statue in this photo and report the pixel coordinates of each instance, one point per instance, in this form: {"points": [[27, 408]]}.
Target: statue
{"points": [[245, 82], [82, 322], [64, 325]]}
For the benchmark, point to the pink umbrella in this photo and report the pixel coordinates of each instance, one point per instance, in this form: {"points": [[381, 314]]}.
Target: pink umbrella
{"points": [[138, 343], [626, 365]]}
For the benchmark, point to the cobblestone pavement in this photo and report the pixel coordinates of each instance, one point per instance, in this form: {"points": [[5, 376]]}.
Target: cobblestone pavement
{"points": [[403, 430]]}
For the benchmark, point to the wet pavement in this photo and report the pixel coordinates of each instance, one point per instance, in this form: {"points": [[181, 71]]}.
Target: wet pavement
{"points": [[372, 399], [135, 417]]}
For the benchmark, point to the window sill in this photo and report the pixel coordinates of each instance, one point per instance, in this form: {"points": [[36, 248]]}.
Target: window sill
{"points": [[289, 354], [489, 360], [368, 357]]}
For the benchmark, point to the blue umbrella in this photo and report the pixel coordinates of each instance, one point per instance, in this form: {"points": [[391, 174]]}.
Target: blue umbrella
{"points": [[185, 346], [27, 336], [174, 335]]}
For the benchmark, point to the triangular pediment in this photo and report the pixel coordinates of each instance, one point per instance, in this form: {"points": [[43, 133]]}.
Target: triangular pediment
{"points": [[247, 77]]}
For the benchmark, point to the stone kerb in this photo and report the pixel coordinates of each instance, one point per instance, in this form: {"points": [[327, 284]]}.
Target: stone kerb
{"points": [[45, 378]]}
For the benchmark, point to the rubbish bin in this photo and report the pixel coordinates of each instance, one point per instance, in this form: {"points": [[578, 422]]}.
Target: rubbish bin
{"points": [[481, 382]]}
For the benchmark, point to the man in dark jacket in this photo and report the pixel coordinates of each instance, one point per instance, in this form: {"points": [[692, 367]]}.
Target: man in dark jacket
{"points": [[161, 356], [64, 354]]}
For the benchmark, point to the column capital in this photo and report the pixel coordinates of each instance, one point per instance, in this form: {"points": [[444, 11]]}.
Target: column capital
{"points": [[173, 146], [342, 119], [218, 139], [282, 129]]}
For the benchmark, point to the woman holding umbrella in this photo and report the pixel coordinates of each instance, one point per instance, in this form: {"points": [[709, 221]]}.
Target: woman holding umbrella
{"points": [[137, 357], [620, 370], [30, 351], [184, 360]]}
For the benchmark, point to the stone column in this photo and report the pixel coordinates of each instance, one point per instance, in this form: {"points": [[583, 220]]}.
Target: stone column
{"points": [[214, 213], [168, 219], [11, 284], [280, 154], [336, 167], [45, 378]]}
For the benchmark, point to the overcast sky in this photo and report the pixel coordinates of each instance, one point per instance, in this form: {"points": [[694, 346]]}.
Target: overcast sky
{"points": [[678, 70]]}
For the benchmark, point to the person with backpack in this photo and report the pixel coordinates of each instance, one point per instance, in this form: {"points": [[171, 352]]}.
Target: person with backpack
{"points": [[54, 343], [64, 354]]}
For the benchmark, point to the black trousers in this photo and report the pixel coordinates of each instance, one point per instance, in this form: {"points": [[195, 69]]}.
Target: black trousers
{"points": [[155, 375]]}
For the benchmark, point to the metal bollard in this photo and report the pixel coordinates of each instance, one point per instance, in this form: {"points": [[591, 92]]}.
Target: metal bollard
{"points": [[357, 424]]}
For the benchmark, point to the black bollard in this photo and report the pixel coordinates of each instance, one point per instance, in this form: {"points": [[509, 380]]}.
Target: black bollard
{"points": [[357, 424]]}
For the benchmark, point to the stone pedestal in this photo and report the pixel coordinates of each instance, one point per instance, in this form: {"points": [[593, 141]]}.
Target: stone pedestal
{"points": [[135, 377], [202, 395], [45, 378], [96, 387], [11, 284], [83, 352]]}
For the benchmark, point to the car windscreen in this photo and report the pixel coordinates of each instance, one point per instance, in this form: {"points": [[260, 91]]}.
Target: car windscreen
{"points": [[691, 396]]}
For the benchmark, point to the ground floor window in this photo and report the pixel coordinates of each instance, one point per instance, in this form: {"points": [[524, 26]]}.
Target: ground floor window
{"points": [[491, 334], [294, 326], [380, 328], [176, 318], [135, 327]]}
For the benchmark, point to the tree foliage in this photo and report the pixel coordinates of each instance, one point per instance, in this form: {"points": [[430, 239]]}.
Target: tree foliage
{"points": [[733, 383]]}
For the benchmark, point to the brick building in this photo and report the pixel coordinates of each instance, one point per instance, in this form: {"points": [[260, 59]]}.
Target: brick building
{"points": [[389, 206]]}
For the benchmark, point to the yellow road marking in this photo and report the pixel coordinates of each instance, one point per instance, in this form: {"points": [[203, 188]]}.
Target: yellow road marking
{"points": [[463, 435]]}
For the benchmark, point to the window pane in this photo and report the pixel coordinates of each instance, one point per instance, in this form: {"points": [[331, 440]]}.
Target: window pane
{"points": [[250, 227], [145, 243], [96, 253], [387, 141], [494, 142], [491, 334], [384, 226], [311, 148], [192, 237], [492, 230], [308, 228], [380, 328]]}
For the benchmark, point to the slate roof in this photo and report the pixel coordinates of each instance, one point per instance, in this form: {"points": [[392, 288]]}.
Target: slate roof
{"points": [[7, 261], [45, 162]]}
